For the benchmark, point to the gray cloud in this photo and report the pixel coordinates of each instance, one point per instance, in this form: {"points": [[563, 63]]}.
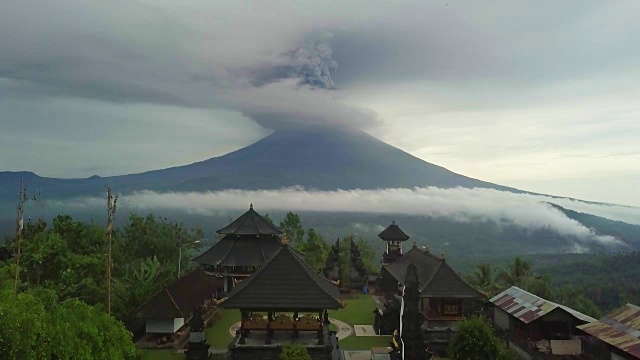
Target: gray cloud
{"points": [[276, 63], [529, 211]]}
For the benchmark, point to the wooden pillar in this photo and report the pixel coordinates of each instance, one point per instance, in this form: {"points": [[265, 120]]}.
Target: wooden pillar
{"points": [[270, 317]]}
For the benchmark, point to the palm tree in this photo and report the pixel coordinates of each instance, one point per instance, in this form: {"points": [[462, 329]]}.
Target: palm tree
{"points": [[483, 278], [516, 273]]}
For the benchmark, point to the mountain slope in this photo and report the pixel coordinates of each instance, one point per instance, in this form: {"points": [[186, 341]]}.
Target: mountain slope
{"points": [[313, 158]]}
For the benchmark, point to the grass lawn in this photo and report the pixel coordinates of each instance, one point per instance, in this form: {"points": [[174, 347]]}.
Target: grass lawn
{"points": [[218, 334], [359, 310], [161, 354]]}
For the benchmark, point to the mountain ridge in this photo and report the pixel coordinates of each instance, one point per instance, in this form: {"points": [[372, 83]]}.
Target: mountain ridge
{"points": [[312, 158]]}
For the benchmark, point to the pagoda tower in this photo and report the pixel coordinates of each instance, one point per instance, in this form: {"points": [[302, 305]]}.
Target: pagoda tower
{"points": [[394, 237], [249, 242]]}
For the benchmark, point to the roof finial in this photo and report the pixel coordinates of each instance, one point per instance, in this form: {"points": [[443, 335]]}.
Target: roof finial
{"points": [[442, 255], [251, 206], [285, 240], [415, 244], [393, 222]]}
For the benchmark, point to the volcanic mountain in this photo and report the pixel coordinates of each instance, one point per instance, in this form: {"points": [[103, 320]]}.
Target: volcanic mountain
{"points": [[324, 159]]}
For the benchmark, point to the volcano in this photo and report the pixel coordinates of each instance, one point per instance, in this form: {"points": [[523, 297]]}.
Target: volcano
{"points": [[323, 159]]}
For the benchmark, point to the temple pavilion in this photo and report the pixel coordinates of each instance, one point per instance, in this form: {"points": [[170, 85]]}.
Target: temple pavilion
{"points": [[442, 290], [248, 243], [284, 301], [393, 236]]}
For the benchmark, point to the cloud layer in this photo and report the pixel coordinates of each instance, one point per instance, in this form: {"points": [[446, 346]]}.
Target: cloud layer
{"points": [[529, 211]]}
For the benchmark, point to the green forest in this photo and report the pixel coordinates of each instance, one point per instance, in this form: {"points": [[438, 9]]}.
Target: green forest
{"points": [[60, 286]]}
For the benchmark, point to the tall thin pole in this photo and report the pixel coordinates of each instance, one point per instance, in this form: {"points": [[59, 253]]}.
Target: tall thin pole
{"points": [[19, 226], [179, 261], [111, 211]]}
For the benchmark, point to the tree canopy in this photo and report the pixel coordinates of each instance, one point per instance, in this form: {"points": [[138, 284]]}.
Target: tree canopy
{"points": [[475, 339]]}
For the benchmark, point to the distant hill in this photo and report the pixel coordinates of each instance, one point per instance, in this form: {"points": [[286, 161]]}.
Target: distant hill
{"points": [[325, 159], [602, 226]]}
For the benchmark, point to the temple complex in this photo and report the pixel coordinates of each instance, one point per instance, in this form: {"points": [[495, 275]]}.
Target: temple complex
{"points": [[441, 290], [248, 243], [284, 301]]}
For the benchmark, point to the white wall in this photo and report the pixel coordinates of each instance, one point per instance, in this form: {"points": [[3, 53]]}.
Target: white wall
{"points": [[164, 326]]}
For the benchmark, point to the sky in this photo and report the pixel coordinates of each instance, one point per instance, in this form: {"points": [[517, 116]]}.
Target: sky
{"points": [[538, 95]]}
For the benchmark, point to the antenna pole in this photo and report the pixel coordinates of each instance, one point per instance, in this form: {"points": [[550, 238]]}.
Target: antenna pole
{"points": [[111, 211], [19, 226]]}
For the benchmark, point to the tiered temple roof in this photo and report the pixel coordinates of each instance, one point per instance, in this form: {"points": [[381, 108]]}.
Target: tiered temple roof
{"points": [[393, 233], [250, 223], [436, 278], [249, 241], [285, 283]]}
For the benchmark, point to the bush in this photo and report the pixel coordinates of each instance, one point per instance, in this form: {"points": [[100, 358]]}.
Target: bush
{"points": [[294, 352], [475, 339]]}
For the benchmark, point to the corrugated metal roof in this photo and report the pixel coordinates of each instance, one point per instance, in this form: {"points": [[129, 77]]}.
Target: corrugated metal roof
{"points": [[528, 307], [621, 329]]}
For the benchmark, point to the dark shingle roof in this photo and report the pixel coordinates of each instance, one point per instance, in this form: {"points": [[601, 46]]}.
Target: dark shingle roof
{"points": [[178, 299], [437, 278], [393, 233], [245, 250], [250, 223], [285, 283]]}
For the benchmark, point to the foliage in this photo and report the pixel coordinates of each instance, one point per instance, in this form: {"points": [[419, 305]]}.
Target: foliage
{"points": [[606, 280], [35, 325], [70, 258], [151, 236], [515, 273], [521, 273], [140, 284], [292, 351], [315, 250], [291, 225], [268, 219], [476, 339], [483, 278], [368, 255]]}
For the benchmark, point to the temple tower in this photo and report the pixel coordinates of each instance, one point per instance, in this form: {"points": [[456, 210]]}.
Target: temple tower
{"points": [[394, 237]]}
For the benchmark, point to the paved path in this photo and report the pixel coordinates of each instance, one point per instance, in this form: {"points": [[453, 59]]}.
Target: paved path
{"points": [[364, 330], [344, 329]]}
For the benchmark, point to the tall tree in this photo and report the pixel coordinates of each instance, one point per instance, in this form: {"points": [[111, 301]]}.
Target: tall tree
{"points": [[292, 227], [484, 279], [316, 249], [515, 273]]}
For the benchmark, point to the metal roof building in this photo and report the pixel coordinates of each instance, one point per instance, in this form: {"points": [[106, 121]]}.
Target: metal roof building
{"points": [[620, 329], [527, 307]]}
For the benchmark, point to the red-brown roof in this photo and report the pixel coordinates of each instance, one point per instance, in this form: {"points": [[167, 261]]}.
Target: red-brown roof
{"points": [[528, 307], [621, 329]]}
